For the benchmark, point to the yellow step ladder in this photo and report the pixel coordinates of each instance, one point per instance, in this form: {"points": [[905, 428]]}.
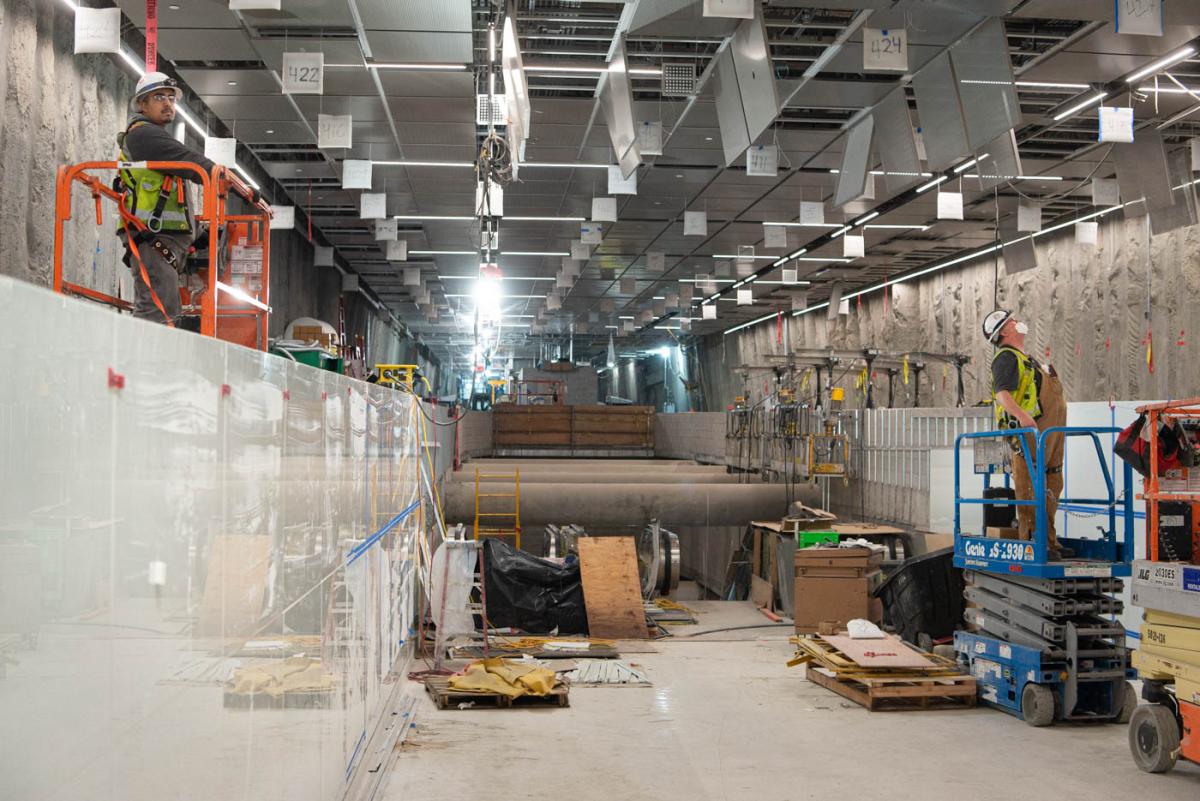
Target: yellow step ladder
{"points": [[513, 516]]}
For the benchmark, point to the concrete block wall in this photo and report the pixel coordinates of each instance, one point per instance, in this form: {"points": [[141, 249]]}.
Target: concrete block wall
{"points": [[475, 435], [692, 435]]}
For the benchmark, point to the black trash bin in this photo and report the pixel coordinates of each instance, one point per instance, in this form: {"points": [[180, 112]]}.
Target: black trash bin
{"points": [[924, 596]]}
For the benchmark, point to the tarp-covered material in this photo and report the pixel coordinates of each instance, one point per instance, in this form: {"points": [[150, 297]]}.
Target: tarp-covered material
{"points": [[502, 676], [532, 594]]}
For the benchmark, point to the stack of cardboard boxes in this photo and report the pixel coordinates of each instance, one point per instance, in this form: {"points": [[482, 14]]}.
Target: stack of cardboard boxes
{"points": [[836, 585]]}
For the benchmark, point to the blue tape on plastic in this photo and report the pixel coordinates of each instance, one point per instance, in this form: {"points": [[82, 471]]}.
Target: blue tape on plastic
{"points": [[365, 545]]}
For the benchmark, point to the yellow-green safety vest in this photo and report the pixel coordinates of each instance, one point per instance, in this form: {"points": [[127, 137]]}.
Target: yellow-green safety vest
{"points": [[1026, 394], [146, 193]]}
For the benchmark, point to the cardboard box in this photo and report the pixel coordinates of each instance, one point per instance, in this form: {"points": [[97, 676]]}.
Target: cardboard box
{"points": [[835, 599], [1002, 533], [839, 557]]}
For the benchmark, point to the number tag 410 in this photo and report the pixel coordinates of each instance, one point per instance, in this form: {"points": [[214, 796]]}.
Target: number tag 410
{"points": [[885, 49]]}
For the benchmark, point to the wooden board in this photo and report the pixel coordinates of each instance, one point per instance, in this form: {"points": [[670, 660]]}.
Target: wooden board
{"points": [[611, 590], [880, 694], [888, 652], [235, 585]]}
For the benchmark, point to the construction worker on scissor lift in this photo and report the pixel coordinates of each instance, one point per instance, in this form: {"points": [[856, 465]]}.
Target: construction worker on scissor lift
{"points": [[157, 226], [1026, 394]]}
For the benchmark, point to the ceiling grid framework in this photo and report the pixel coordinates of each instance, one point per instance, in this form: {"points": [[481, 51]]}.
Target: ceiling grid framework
{"points": [[408, 72]]}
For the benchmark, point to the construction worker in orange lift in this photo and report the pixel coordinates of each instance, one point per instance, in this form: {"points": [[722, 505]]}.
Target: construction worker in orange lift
{"points": [[158, 227]]}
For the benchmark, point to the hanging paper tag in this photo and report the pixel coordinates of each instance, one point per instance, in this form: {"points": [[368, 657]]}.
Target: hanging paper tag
{"points": [[620, 185], [709, 311], [799, 301], [737, 9], [649, 138], [1116, 124], [1086, 233], [1140, 17], [695, 223], [563, 281], [604, 209], [254, 5], [1105, 192], [812, 212], [387, 230], [686, 293], [854, 247], [303, 73], [283, 217], [1029, 218], [590, 234], [221, 150], [949, 206], [356, 174], [1195, 143], [628, 286], [97, 30], [656, 262], [580, 251], [885, 49], [745, 297], [762, 160], [322, 257], [412, 276], [397, 250], [151, 33], [774, 236], [571, 267], [334, 130], [372, 206], [790, 275]]}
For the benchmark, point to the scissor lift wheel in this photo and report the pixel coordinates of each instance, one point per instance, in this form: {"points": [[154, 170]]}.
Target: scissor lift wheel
{"points": [[1038, 705], [1129, 705], [1154, 738]]}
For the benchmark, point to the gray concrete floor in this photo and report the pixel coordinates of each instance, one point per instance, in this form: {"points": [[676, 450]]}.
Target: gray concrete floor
{"points": [[726, 719]]}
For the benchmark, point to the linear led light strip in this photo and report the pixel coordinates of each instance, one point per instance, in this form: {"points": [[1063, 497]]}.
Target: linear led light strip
{"points": [[465, 217], [938, 267]]}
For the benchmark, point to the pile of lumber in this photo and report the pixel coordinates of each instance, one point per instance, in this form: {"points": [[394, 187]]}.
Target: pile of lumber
{"points": [[884, 673]]}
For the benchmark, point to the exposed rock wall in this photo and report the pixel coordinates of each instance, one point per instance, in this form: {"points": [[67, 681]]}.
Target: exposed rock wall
{"points": [[1089, 308], [58, 108]]}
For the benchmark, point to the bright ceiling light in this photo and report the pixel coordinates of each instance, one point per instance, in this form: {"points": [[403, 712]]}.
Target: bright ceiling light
{"points": [[410, 163], [1080, 106], [1162, 63], [931, 184]]}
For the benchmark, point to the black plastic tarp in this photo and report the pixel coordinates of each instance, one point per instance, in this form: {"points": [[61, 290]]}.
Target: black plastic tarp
{"points": [[532, 594]]}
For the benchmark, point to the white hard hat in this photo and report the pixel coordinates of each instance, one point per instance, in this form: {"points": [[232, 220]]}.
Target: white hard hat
{"points": [[994, 322], [153, 81]]}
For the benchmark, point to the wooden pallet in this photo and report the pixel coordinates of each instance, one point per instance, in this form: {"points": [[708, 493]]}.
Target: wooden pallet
{"points": [[446, 697], [897, 691]]}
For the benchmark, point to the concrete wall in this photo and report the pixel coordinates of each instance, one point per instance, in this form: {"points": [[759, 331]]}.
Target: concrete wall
{"points": [[58, 108], [694, 435], [1086, 306], [582, 384]]}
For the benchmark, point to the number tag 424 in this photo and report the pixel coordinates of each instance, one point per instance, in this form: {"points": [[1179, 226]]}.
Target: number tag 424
{"points": [[885, 49]]}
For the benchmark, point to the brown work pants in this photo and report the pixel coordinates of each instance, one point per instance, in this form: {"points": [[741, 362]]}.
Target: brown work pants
{"points": [[1054, 414]]}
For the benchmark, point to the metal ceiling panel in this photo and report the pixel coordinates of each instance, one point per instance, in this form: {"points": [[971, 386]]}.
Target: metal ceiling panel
{"points": [[252, 107], [403, 83], [941, 119], [1175, 13], [849, 95], [735, 135], [616, 102], [431, 109], [1084, 68], [755, 76], [208, 82], [205, 44], [364, 108], [999, 163], [309, 14], [189, 14], [986, 90], [856, 160], [677, 18], [896, 142], [420, 47], [273, 132], [415, 15], [428, 133]]}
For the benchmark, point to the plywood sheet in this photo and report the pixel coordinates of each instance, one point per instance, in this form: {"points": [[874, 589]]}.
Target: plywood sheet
{"points": [[235, 586], [888, 652], [611, 589]]}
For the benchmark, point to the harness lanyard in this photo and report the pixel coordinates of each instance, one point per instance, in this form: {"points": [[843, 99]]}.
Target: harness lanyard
{"points": [[131, 241]]}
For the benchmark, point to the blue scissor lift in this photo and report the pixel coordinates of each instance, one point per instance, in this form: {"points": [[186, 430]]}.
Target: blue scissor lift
{"points": [[1044, 643]]}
